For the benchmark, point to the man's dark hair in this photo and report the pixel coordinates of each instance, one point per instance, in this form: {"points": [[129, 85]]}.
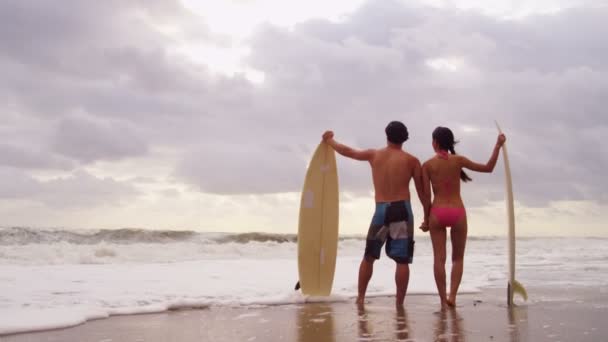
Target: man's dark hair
{"points": [[396, 132]]}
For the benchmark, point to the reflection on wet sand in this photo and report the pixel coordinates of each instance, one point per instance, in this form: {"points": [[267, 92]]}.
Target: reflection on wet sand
{"points": [[448, 326], [363, 323], [402, 333], [366, 332], [518, 322], [315, 323]]}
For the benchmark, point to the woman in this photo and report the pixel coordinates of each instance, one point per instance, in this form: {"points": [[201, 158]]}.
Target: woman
{"points": [[444, 172]]}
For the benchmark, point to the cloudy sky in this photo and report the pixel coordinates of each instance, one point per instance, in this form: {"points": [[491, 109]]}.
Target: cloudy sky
{"points": [[203, 114]]}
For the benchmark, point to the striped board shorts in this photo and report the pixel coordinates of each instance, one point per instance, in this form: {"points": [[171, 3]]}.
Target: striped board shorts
{"points": [[393, 224]]}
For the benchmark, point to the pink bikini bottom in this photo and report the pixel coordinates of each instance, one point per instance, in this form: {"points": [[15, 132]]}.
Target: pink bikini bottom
{"points": [[447, 216]]}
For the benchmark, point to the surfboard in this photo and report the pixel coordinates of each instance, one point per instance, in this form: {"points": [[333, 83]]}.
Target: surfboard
{"points": [[318, 224], [513, 286]]}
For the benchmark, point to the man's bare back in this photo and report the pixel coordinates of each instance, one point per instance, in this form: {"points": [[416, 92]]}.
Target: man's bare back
{"points": [[392, 170]]}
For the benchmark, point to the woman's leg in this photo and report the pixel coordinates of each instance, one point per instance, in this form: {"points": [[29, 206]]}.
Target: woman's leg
{"points": [[438, 238], [458, 235]]}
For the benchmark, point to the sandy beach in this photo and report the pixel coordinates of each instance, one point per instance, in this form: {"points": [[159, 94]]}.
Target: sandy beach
{"points": [[568, 314]]}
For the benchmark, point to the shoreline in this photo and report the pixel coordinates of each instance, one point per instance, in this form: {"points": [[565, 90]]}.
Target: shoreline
{"points": [[574, 313]]}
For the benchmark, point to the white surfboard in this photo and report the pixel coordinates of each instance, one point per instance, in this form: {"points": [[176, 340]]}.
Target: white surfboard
{"points": [[318, 224], [513, 285]]}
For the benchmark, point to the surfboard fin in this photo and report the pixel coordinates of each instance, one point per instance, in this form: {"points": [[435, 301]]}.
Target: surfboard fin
{"points": [[519, 289], [297, 287]]}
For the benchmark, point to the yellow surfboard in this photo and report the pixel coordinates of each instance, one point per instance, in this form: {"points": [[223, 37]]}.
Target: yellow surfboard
{"points": [[318, 224]]}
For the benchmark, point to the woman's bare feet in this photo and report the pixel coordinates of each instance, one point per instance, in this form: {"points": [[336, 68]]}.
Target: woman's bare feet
{"points": [[451, 301], [444, 303]]}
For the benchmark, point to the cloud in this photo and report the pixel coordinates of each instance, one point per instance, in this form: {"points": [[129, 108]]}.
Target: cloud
{"points": [[78, 190], [543, 81], [243, 169], [88, 140], [85, 82], [22, 158], [110, 60]]}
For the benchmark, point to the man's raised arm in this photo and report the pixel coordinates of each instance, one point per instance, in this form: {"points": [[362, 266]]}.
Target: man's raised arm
{"points": [[364, 155]]}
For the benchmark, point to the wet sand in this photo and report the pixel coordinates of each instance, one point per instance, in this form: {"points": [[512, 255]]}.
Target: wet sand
{"points": [[568, 314]]}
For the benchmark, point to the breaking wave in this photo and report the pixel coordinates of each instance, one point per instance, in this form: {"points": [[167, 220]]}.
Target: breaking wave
{"points": [[15, 236]]}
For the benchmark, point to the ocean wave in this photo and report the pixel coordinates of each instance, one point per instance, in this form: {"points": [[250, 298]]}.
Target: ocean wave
{"points": [[257, 237], [24, 236], [16, 236], [271, 237]]}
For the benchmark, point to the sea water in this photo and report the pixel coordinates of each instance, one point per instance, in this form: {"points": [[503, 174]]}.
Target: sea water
{"points": [[59, 278]]}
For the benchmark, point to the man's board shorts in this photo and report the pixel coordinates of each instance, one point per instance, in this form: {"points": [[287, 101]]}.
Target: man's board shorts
{"points": [[393, 224]]}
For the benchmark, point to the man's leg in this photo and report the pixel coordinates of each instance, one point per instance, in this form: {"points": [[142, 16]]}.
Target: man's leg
{"points": [[366, 269], [402, 279], [376, 237], [400, 246]]}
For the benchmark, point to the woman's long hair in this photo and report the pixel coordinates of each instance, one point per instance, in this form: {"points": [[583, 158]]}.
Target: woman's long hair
{"points": [[445, 139]]}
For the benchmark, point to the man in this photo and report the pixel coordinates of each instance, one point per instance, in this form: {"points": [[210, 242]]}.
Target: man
{"points": [[393, 221]]}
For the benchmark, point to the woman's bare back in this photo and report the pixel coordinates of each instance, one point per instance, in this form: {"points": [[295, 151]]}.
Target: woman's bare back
{"points": [[444, 174]]}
